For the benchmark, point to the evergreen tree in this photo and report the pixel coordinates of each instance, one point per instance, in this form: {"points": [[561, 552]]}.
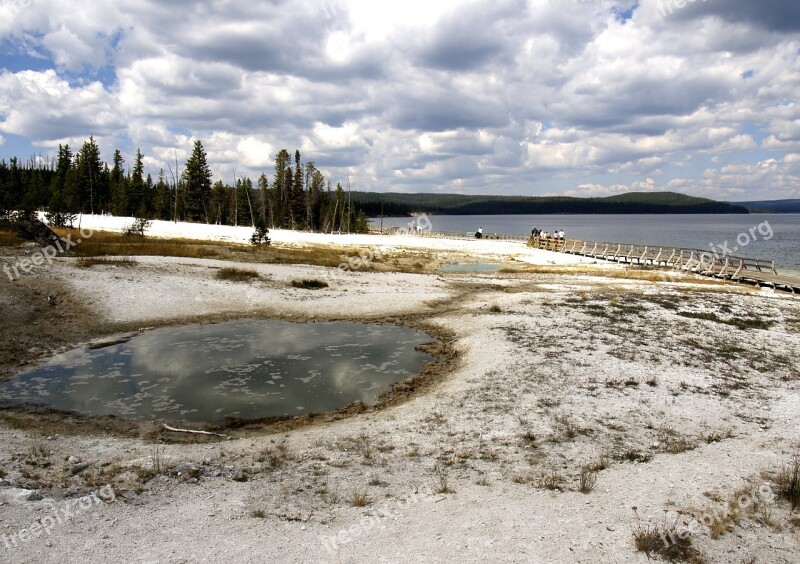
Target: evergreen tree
{"points": [[219, 203], [163, 199], [244, 187], [88, 174], [60, 208], [136, 188], [197, 185], [119, 187], [264, 202], [280, 187]]}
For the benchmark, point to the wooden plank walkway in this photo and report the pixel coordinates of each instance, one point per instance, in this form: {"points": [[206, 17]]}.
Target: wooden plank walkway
{"points": [[738, 269]]}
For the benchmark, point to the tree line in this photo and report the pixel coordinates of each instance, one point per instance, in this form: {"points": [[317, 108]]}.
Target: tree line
{"points": [[297, 196], [395, 204]]}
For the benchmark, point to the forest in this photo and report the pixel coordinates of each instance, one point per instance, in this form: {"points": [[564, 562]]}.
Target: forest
{"points": [[393, 204], [297, 196]]}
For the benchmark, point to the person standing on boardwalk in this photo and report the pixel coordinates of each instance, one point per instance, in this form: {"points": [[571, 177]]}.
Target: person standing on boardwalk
{"points": [[479, 234], [561, 234]]}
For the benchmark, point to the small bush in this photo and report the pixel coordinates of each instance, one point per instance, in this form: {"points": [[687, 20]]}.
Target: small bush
{"points": [[440, 474], [551, 481], [261, 234], [665, 542], [237, 275], [276, 457], [359, 498], [587, 480], [312, 284], [495, 309], [61, 219], [137, 228]]}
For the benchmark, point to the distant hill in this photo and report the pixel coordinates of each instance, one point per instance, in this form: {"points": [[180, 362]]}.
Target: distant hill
{"points": [[394, 204], [772, 206]]}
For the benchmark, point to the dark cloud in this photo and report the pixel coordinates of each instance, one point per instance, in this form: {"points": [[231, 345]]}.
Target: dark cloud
{"points": [[773, 15]]}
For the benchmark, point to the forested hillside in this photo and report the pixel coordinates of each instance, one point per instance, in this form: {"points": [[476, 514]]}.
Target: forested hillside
{"points": [[772, 206], [456, 204]]}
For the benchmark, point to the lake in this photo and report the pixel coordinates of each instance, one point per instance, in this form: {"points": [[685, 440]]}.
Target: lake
{"points": [[769, 236], [243, 369]]}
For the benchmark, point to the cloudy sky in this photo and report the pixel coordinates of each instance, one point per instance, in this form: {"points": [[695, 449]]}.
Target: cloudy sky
{"points": [[535, 97]]}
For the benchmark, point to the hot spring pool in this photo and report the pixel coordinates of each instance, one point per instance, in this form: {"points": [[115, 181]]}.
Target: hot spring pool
{"points": [[242, 369]]}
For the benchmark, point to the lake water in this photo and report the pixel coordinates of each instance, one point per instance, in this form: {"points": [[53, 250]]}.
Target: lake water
{"points": [[769, 236], [245, 369]]}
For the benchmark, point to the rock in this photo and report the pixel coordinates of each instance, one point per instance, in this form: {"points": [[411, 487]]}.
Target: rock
{"points": [[73, 459], [5, 484], [185, 471], [76, 469], [32, 496]]}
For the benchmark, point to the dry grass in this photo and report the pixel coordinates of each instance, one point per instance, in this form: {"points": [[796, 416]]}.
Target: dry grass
{"points": [[788, 482], [587, 479], [237, 275], [310, 284], [9, 238], [551, 480], [274, 457], [88, 262], [665, 542], [440, 474], [359, 498], [103, 243]]}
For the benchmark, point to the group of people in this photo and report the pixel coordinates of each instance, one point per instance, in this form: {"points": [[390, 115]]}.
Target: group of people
{"points": [[542, 234]]}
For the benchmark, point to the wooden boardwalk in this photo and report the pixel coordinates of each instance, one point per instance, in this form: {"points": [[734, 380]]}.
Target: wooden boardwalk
{"points": [[738, 269]]}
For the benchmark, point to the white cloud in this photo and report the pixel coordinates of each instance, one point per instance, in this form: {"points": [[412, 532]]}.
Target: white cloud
{"points": [[492, 96]]}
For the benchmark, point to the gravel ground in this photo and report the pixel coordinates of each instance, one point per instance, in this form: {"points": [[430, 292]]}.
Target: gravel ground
{"points": [[667, 397]]}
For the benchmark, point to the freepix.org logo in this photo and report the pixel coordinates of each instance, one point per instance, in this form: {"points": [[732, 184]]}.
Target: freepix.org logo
{"points": [[669, 7]]}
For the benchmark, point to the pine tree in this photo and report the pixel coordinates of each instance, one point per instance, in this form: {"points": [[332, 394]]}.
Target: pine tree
{"points": [[136, 188], [163, 198], [197, 185], [264, 203], [280, 187], [88, 172], [119, 187], [60, 208], [219, 203]]}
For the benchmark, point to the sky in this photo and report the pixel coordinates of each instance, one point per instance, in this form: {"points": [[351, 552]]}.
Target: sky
{"points": [[511, 97]]}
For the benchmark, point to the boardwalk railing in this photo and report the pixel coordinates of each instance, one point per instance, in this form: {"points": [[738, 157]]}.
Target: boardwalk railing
{"points": [[738, 269], [449, 234]]}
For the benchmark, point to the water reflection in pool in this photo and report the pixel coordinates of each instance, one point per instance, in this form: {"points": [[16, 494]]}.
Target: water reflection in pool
{"points": [[246, 369]]}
